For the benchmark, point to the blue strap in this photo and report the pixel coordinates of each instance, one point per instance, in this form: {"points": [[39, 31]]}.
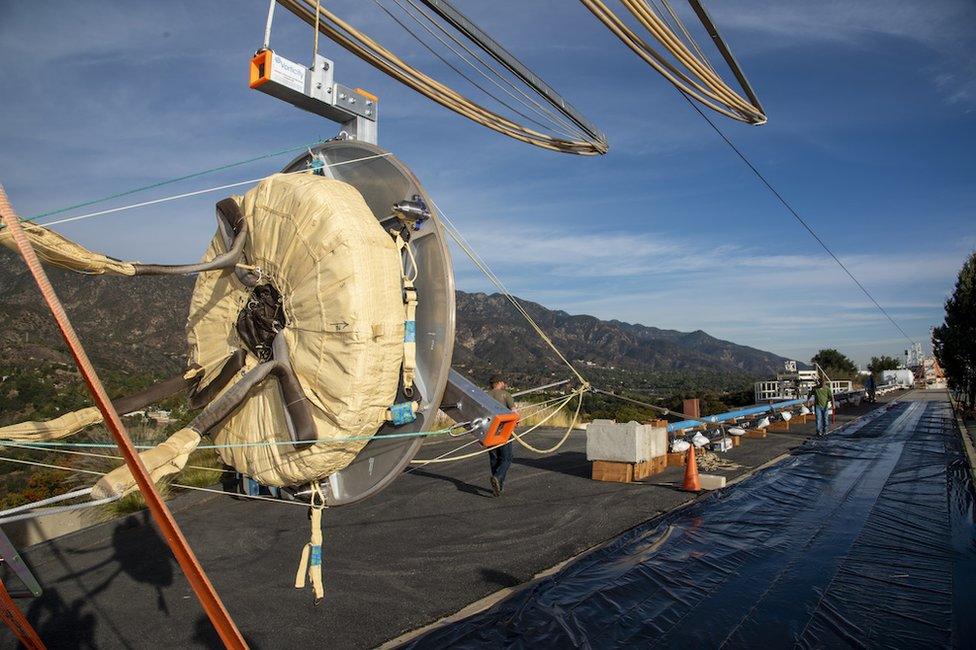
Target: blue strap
{"points": [[402, 413], [409, 331], [315, 557]]}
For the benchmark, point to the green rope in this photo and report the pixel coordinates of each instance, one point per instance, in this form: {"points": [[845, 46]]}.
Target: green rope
{"points": [[26, 444], [175, 180]]}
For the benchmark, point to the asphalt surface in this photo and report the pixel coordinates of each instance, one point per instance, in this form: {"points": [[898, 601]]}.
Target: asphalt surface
{"points": [[424, 548], [864, 538]]}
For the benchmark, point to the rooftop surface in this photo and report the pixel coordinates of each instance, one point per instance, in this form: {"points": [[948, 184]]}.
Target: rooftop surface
{"points": [[864, 538], [423, 549]]}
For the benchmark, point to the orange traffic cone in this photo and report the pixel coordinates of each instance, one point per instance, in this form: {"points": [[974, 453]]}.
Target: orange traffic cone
{"points": [[692, 484]]}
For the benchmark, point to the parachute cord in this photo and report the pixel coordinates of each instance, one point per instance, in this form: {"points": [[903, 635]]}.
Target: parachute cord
{"points": [[447, 458], [170, 181], [482, 266], [569, 429], [198, 192]]}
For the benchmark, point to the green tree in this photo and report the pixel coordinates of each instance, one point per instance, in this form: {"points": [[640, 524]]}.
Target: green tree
{"points": [[954, 342], [835, 364], [884, 362]]}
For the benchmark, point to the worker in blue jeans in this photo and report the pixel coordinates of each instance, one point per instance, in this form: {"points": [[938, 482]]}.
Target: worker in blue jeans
{"points": [[500, 457], [822, 398]]}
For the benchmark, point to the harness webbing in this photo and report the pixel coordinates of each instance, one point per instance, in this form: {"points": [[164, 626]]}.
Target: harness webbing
{"points": [[195, 574]]}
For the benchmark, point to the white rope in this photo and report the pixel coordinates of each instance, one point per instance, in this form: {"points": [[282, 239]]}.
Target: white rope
{"points": [[444, 459], [177, 485], [482, 266], [46, 512], [89, 454], [197, 192], [234, 494], [554, 448], [44, 502]]}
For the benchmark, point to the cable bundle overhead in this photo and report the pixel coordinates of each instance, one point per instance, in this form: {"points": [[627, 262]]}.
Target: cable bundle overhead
{"points": [[581, 139], [687, 68]]}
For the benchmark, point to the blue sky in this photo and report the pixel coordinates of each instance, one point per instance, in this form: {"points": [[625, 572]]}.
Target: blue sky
{"points": [[871, 133]]}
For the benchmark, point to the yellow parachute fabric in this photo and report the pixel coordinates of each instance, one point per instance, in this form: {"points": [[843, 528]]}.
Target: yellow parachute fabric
{"points": [[339, 275], [59, 251], [60, 427]]}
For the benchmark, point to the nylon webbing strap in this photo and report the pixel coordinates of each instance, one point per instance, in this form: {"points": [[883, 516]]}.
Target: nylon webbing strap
{"points": [[410, 302], [195, 575], [310, 564]]}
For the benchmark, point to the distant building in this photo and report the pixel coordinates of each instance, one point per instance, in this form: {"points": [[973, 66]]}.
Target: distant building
{"points": [[793, 384], [159, 416]]}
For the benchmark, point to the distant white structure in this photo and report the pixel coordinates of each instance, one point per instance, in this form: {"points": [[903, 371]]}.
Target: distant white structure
{"points": [[793, 384], [903, 377], [159, 416]]}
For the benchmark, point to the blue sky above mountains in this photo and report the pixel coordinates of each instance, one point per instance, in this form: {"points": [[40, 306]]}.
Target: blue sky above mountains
{"points": [[871, 133]]}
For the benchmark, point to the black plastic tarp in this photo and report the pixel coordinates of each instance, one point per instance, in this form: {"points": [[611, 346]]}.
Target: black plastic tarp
{"points": [[864, 538]]}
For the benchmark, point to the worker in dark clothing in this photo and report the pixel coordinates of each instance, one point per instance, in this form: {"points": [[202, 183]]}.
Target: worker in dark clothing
{"points": [[822, 398], [871, 388], [500, 457]]}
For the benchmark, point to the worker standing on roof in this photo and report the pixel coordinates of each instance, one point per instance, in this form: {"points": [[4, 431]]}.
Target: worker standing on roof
{"points": [[500, 457], [871, 387], [822, 397]]}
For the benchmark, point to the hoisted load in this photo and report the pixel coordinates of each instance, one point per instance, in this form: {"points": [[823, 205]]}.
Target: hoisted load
{"points": [[327, 307], [304, 328]]}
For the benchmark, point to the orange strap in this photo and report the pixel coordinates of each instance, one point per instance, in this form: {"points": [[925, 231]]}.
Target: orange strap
{"points": [[17, 622], [195, 575]]}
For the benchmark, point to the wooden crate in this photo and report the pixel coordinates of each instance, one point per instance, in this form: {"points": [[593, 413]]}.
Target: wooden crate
{"points": [[605, 470], [677, 460], [781, 425], [642, 470], [755, 433], [736, 441], [650, 467]]}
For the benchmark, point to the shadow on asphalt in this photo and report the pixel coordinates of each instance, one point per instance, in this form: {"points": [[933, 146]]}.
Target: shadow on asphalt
{"points": [[138, 552], [462, 486], [499, 578], [571, 463]]}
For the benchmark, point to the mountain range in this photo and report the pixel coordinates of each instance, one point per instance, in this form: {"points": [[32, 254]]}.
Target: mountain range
{"points": [[136, 325]]}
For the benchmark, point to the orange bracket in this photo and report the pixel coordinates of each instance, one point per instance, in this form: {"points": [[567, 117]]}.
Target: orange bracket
{"points": [[500, 430], [260, 70]]}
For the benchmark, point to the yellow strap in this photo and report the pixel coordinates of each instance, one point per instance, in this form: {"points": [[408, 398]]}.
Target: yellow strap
{"points": [[168, 457], [410, 301], [310, 564]]}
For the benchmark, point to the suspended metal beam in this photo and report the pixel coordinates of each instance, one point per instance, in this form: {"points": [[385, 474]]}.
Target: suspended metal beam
{"points": [[723, 48], [475, 34]]}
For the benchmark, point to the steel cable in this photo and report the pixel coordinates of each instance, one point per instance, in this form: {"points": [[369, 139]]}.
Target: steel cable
{"points": [[384, 60]]}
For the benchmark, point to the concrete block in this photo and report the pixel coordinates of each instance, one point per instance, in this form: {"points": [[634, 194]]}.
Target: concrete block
{"points": [[711, 481], [627, 442], [658, 437]]}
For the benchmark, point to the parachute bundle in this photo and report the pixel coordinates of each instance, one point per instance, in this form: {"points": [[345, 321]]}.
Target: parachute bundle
{"points": [[303, 283], [337, 273]]}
